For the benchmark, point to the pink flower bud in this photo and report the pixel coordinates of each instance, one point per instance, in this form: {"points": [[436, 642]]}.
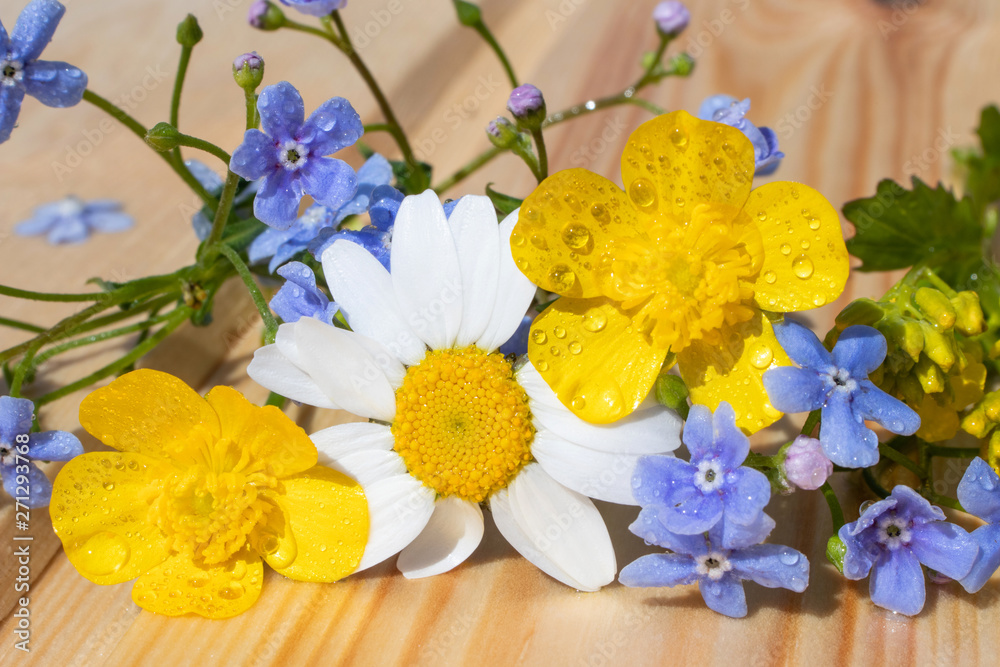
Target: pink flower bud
{"points": [[806, 466]]}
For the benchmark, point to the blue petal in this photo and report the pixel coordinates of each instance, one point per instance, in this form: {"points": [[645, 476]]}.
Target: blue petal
{"points": [[860, 350], [16, 417], [658, 480], [109, 222], [517, 344], [725, 596], [38, 487], [256, 157], [329, 181], [769, 162], [385, 204], [987, 560], [714, 104], [55, 84], [300, 297], [897, 582], [862, 553], [698, 433], [979, 491], [69, 230], [268, 242], [4, 39], [803, 346], [731, 535], [893, 415], [34, 28], [872, 514], [649, 528], [285, 253], [914, 506], [794, 390], [277, 201], [375, 172], [331, 127], [656, 570], [696, 513], [746, 494], [773, 566], [731, 444], [281, 111], [205, 176], [54, 446], [944, 547], [315, 7], [845, 438], [10, 106]]}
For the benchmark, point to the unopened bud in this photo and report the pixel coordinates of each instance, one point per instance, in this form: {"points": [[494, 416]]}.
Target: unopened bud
{"points": [[163, 137], [968, 313], [248, 71], [835, 552], [904, 334], [681, 65], [805, 465], [929, 375], [502, 132], [468, 13], [935, 306], [189, 32], [671, 17], [527, 105], [909, 388], [940, 348], [671, 392], [860, 311], [265, 15]]}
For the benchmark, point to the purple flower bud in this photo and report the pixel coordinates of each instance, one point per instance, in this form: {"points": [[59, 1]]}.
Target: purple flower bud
{"points": [[525, 101], [671, 17], [806, 466], [265, 15], [501, 132], [248, 70]]}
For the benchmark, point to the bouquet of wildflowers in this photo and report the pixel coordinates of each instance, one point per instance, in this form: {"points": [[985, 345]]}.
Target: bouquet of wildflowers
{"points": [[521, 354]]}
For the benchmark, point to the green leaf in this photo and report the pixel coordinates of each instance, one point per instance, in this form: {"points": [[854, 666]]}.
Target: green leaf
{"points": [[501, 202], [408, 182], [989, 130], [899, 228]]}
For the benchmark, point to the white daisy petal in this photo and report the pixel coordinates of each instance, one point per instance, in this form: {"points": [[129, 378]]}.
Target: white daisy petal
{"points": [[398, 509], [338, 441], [272, 370], [363, 289], [601, 475], [346, 370], [425, 271], [285, 340], [370, 466], [564, 527], [452, 534], [474, 228], [514, 294], [503, 517], [652, 429]]}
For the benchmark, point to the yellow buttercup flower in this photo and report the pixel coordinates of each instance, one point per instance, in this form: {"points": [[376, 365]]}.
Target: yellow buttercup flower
{"points": [[683, 261], [200, 490]]}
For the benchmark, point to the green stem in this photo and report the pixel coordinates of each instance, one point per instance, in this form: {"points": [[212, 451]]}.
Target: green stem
{"points": [[137, 128], [463, 173], [378, 127], [873, 483], [485, 33], [836, 511], [543, 156], [207, 146], [277, 400], [49, 296], [221, 215], [97, 338], [24, 326], [312, 30], [270, 324], [175, 100], [903, 460], [938, 499], [176, 319], [577, 110], [811, 422], [953, 452], [253, 120], [648, 76], [21, 371]]}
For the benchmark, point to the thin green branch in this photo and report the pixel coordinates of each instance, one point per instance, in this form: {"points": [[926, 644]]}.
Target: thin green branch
{"points": [[836, 511], [50, 296], [98, 337], [270, 324], [873, 483], [221, 215], [207, 146], [485, 33], [811, 421], [543, 156], [175, 100], [902, 459], [953, 452], [463, 173], [23, 326]]}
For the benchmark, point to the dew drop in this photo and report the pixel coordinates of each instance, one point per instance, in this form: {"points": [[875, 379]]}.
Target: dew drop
{"points": [[106, 463], [576, 236], [813, 223], [770, 277], [802, 266], [517, 240], [786, 249], [237, 569], [578, 403], [197, 582], [719, 163], [104, 553], [761, 356], [539, 337], [554, 351], [542, 366], [531, 214], [594, 320], [559, 332], [109, 486], [643, 193], [233, 591], [805, 244], [539, 242], [572, 202], [678, 138], [599, 212], [119, 465], [575, 347], [761, 216], [561, 278], [132, 465]]}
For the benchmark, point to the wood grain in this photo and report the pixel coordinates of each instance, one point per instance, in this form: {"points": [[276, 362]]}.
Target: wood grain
{"points": [[857, 90]]}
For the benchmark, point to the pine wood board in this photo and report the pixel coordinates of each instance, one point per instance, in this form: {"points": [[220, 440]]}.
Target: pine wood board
{"points": [[857, 90]]}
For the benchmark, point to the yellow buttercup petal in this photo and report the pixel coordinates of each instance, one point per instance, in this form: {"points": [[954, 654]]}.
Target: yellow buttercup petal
{"points": [[149, 412], [805, 259], [179, 586], [597, 358], [565, 226], [675, 161], [269, 435], [732, 372], [99, 510], [326, 527]]}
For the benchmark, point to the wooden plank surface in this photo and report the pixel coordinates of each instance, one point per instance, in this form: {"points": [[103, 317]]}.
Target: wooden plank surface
{"points": [[858, 90]]}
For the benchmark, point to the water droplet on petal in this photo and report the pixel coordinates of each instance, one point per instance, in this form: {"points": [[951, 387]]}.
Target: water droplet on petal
{"points": [[643, 193], [770, 277], [575, 347], [539, 337], [578, 403], [594, 320], [678, 138], [788, 557], [109, 486], [802, 267], [576, 236], [231, 592], [786, 249], [561, 278], [517, 240], [761, 356], [559, 332], [104, 553]]}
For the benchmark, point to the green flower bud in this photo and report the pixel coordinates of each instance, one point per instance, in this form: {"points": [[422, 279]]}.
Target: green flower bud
{"points": [[860, 311], [672, 393], [969, 318], [835, 552], [502, 133], [681, 65], [935, 306], [468, 13], [248, 71], [904, 334], [189, 32], [937, 346], [908, 386], [163, 137], [265, 15]]}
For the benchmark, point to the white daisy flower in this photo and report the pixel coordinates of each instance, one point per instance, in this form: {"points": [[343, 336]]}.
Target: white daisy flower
{"points": [[455, 424]]}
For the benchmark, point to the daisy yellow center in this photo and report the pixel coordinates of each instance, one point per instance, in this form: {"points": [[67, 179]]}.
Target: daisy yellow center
{"points": [[209, 513], [691, 278], [462, 423]]}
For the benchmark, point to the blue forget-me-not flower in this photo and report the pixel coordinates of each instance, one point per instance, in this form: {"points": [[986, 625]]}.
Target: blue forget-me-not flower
{"points": [[54, 84], [72, 220], [300, 297], [731, 111], [979, 493], [838, 384]]}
